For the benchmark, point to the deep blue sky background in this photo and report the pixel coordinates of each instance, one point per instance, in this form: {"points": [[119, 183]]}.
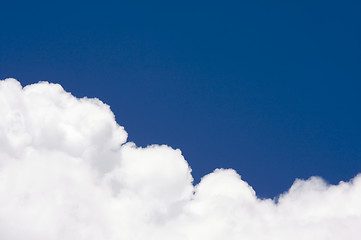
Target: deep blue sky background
{"points": [[269, 88]]}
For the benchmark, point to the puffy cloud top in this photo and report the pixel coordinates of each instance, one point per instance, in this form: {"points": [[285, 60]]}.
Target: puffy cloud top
{"points": [[67, 172]]}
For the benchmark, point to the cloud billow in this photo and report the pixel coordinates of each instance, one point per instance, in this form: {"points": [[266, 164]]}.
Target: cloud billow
{"points": [[68, 172]]}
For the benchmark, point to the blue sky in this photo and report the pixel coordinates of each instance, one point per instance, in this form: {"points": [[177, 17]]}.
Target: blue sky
{"points": [[271, 89]]}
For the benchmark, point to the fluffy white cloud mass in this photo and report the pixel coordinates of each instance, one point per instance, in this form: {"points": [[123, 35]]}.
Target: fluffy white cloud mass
{"points": [[67, 172]]}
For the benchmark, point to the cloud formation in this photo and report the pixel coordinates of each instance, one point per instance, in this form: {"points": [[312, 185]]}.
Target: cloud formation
{"points": [[68, 172]]}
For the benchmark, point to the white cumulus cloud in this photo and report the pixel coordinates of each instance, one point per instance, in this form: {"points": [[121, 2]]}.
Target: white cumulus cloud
{"points": [[68, 172]]}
